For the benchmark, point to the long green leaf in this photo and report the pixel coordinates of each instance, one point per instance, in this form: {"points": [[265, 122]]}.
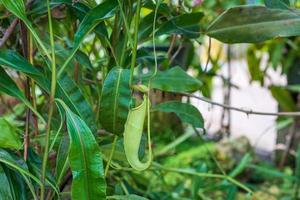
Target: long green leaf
{"points": [[186, 112], [11, 162], [17, 184], [66, 88], [101, 12], [9, 137], [175, 80], [115, 100], [8, 86], [241, 25], [85, 160]]}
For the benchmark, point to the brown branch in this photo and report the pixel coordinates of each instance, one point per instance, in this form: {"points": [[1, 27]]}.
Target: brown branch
{"points": [[247, 112], [8, 32], [208, 55]]}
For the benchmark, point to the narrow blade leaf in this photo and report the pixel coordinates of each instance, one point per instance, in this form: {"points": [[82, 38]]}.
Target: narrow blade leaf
{"points": [[85, 160]]}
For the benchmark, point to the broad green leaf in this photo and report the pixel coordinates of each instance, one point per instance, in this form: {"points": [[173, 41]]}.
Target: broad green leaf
{"points": [[9, 137], [101, 12], [8, 86], [175, 80], [17, 7], [186, 112], [241, 25], [66, 88], [85, 160], [115, 100], [284, 98], [186, 24], [277, 4], [5, 190]]}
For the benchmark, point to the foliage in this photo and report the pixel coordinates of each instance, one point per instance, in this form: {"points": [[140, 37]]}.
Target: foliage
{"points": [[90, 77]]}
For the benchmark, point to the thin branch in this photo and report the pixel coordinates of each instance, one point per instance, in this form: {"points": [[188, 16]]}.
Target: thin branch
{"points": [[176, 52], [247, 112], [8, 32], [208, 55]]}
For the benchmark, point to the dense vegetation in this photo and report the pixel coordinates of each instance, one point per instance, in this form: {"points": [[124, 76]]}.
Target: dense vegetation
{"points": [[95, 99]]}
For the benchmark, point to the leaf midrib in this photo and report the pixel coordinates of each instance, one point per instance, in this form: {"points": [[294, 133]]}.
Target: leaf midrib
{"points": [[116, 100], [84, 155], [217, 30]]}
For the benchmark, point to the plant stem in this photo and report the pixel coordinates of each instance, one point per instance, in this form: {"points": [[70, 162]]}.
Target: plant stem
{"points": [[135, 44], [111, 155], [126, 24], [51, 107], [208, 175], [246, 111], [32, 87], [24, 39]]}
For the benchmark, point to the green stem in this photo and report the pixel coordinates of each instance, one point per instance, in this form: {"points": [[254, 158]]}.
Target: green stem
{"points": [[134, 50], [51, 107], [207, 175], [111, 155], [126, 24]]}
